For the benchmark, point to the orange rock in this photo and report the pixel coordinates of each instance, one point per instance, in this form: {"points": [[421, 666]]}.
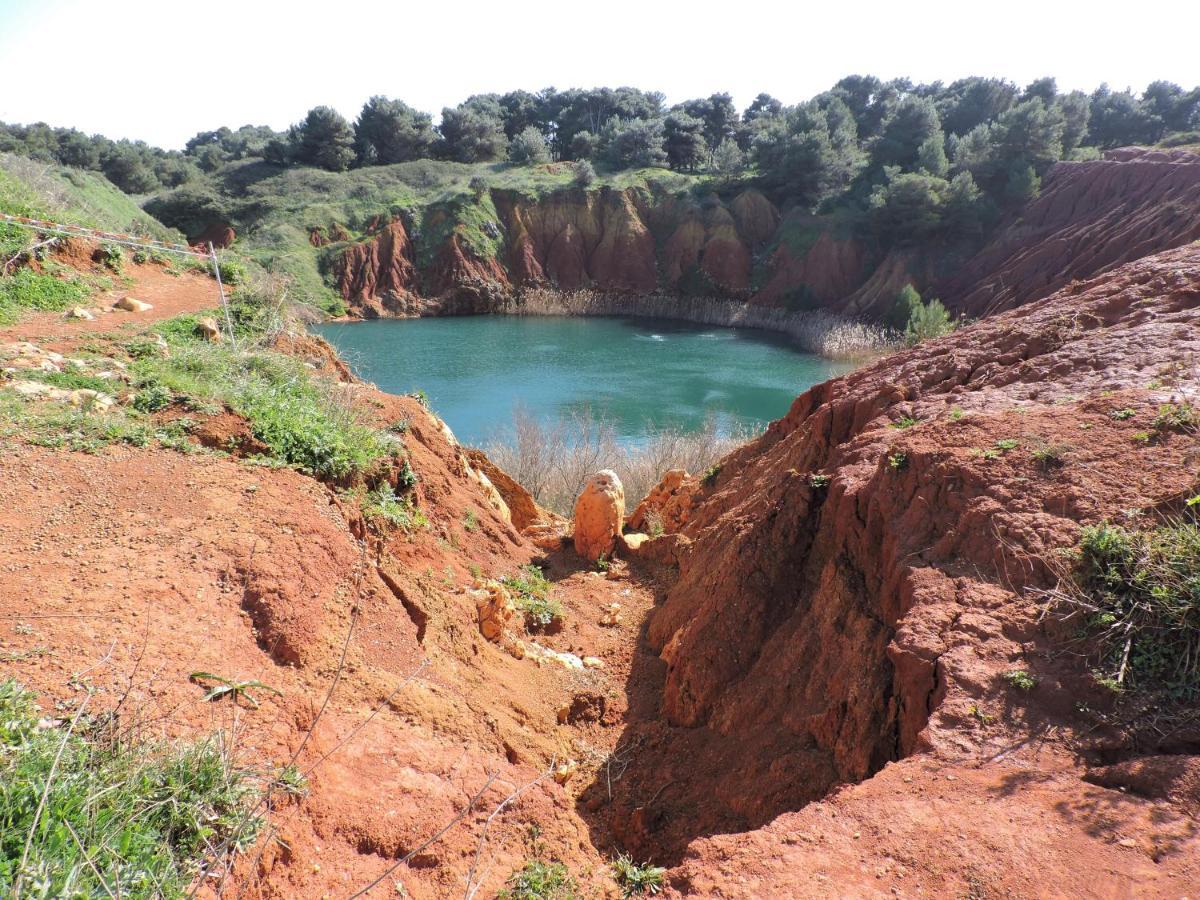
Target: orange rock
{"points": [[599, 513]]}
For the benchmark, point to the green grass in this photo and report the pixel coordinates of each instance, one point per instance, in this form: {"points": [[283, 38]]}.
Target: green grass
{"points": [[1142, 590], [300, 418], [47, 191], [635, 880], [289, 410], [539, 880], [27, 291], [382, 503], [94, 819], [531, 590]]}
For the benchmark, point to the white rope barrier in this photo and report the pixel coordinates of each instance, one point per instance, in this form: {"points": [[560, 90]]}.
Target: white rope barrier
{"points": [[130, 240]]}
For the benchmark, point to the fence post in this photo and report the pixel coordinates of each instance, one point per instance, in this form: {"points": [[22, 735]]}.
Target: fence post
{"points": [[221, 287]]}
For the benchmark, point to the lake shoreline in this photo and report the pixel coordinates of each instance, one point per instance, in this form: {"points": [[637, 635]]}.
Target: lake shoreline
{"points": [[819, 332], [643, 374]]}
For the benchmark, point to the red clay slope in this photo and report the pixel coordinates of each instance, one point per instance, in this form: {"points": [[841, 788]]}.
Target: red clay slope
{"points": [[819, 632], [1089, 218]]}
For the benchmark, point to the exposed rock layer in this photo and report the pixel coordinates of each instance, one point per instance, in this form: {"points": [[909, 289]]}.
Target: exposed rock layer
{"points": [[851, 585], [1088, 218]]}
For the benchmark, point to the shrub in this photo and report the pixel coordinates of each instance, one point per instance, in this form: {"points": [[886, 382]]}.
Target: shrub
{"points": [[151, 398], [897, 461], [528, 148], [111, 256], [540, 880], [1142, 588], [585, 174], [117, 821], [28, 290], [1049, 455], [927, 321], [636, 880], [382, 503], [1021, 680], [1176, 417], [232, 272], [532, 594]]}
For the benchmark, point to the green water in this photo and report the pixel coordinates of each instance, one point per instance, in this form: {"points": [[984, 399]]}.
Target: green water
{"points": [[638, 373]]}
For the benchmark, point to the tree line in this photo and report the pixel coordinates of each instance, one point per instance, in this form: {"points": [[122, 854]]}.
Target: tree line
{"points": [[925, 156]]}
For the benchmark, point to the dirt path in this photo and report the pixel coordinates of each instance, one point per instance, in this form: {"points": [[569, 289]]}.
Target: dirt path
{"points": [[169, 294]]}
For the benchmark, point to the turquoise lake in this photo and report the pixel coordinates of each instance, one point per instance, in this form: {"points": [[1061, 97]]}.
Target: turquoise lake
{"points": [[637, 373]]}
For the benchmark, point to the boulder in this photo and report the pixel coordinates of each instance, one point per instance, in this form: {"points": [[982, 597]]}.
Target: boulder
{"points": [[667, 507], [79, 312], [129, 304], [599, 515], [494, 499], [209, 329], [495, 610], [87, 398]]}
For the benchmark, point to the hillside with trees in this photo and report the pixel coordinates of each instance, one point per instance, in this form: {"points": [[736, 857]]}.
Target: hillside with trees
{"points": [[897, 165]]}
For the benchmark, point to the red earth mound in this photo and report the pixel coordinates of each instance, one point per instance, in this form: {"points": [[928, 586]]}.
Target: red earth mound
{"points": [[1089, 217], [854, 585]]}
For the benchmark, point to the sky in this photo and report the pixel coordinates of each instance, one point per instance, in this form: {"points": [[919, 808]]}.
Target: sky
{"points": [[162, 71]]}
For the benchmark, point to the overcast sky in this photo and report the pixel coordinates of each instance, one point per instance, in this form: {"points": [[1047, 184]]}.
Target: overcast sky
{"points": [[161, 71]]}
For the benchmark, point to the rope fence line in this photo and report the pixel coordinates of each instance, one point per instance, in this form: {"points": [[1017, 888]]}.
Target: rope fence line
{"points": [[129, 240]]}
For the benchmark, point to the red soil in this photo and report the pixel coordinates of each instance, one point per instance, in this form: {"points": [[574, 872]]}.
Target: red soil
{"points": [[815, 636], [807, 701], [1089, 217], [169, 294]]}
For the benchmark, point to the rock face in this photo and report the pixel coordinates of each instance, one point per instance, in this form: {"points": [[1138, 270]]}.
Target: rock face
{"points": [[599, 514], [848, 592], [523, 509], [1089, 217], [379, 270], [209, 329], [621, 240], [495, 609], [666, 507]]}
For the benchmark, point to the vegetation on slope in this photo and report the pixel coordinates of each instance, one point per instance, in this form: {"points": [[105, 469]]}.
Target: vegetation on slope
{"points": [[86, 814], [51, 191], [300, 419], [903, 163]]}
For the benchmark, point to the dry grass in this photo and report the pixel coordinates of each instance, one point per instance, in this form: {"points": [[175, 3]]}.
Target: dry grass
{"points": [[553, 460]]}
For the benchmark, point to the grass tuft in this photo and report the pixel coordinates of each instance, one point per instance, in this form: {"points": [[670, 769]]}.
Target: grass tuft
{"points": [[133, 822]]}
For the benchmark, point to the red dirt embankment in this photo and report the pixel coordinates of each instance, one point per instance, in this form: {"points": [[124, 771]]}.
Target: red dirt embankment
{"points": [[1089, 218], [142, 566], [852, 590], [608, 239]]}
